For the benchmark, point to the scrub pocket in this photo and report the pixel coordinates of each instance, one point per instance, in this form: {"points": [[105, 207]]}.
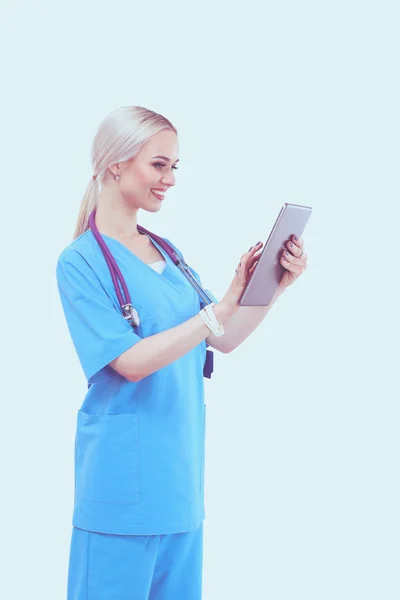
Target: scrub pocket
{"points": [[203, 450], [107, 458]]}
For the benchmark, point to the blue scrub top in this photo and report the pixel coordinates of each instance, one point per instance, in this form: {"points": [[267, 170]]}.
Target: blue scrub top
{"points": [[139, 446]]}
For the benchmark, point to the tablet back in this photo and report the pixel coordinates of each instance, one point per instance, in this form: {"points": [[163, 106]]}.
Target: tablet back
{"points": [[265, 279]]}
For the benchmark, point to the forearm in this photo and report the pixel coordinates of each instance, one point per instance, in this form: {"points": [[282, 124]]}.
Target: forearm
{"points": [[159, 350], [239, 326]]}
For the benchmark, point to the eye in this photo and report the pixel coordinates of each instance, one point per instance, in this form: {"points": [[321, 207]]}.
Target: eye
{"points": [[163, 165]]}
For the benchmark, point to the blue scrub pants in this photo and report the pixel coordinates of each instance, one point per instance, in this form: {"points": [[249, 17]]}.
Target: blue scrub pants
{"points": [[104, 566]]}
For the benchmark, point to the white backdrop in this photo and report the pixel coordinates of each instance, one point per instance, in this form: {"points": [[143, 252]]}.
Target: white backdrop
{"points": [[273, 102]]}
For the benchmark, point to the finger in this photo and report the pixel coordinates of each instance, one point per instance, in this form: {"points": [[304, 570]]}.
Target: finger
{"points": [[298, 253], [254, 249], [251, 270], [249, 258], [294, 249], [294, 265], [253, 260], [292, 259], [250, 255], [251, 251], [298, 241]]}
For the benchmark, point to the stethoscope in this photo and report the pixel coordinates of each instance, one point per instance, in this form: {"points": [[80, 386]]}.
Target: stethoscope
{"points": [[128, 311]]}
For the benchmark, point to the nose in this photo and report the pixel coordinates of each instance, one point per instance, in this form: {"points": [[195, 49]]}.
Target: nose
{"points": [[168, 179]]}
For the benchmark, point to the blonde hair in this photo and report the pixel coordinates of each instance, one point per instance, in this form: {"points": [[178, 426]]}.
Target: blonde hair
{"points": [[119, 138]]}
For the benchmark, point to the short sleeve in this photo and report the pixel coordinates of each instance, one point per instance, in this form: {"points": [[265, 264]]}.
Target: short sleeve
{"points": [[98, 330]]}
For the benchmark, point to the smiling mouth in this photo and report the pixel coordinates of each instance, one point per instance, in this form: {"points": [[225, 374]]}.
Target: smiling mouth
{"points": [[158, 195]]}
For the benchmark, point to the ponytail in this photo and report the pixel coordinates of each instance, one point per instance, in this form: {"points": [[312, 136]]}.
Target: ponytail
{"points": [[87, 206]]}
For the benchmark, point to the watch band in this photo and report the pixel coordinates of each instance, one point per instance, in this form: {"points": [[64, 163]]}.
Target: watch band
{"points": [[209, 318]]}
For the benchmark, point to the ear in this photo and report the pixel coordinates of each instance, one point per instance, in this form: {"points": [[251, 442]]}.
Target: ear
{"points": [[115, 169]]}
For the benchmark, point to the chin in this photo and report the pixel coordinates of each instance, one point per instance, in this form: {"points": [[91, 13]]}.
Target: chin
{"points": [[152, 209]]}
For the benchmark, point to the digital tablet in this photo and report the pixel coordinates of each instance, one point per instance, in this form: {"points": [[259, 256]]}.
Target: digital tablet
{"points": [[268, 272]]}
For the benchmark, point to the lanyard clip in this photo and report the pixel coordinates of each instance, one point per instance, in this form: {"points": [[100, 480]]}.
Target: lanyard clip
{"points": [[131, 314]]}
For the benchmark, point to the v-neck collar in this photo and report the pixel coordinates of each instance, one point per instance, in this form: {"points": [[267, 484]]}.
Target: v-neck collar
{"points": [[167, 259], [171, 275]]}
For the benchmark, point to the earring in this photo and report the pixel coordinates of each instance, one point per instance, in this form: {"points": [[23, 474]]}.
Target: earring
{"points": [[116, 177]]}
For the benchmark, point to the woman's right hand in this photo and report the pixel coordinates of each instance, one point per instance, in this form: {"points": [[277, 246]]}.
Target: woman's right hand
{"points": [[229, 303]]}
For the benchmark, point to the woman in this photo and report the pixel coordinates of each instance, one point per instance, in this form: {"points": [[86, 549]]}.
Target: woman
{"points": [[139, 447]]}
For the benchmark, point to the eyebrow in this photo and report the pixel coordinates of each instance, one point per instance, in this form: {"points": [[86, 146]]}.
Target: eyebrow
{"points": [[165, 158]]}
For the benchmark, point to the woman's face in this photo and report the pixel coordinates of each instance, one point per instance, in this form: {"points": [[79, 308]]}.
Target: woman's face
{"points": [[146, 173]]}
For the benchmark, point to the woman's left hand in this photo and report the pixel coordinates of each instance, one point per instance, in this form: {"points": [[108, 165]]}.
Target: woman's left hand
{"points": [[294, 260]]}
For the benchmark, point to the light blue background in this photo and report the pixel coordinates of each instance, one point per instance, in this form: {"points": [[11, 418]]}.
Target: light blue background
{"points": [[274, 102]]}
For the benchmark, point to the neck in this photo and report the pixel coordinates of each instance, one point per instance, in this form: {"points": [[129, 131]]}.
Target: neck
{"points": [[115, 219]]}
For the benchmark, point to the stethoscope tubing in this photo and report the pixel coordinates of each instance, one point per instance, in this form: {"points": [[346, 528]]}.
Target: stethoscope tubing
{"points": [[117, 276]]}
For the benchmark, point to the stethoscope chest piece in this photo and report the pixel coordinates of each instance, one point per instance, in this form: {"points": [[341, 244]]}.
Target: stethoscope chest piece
{"points": [[131, 314]]}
